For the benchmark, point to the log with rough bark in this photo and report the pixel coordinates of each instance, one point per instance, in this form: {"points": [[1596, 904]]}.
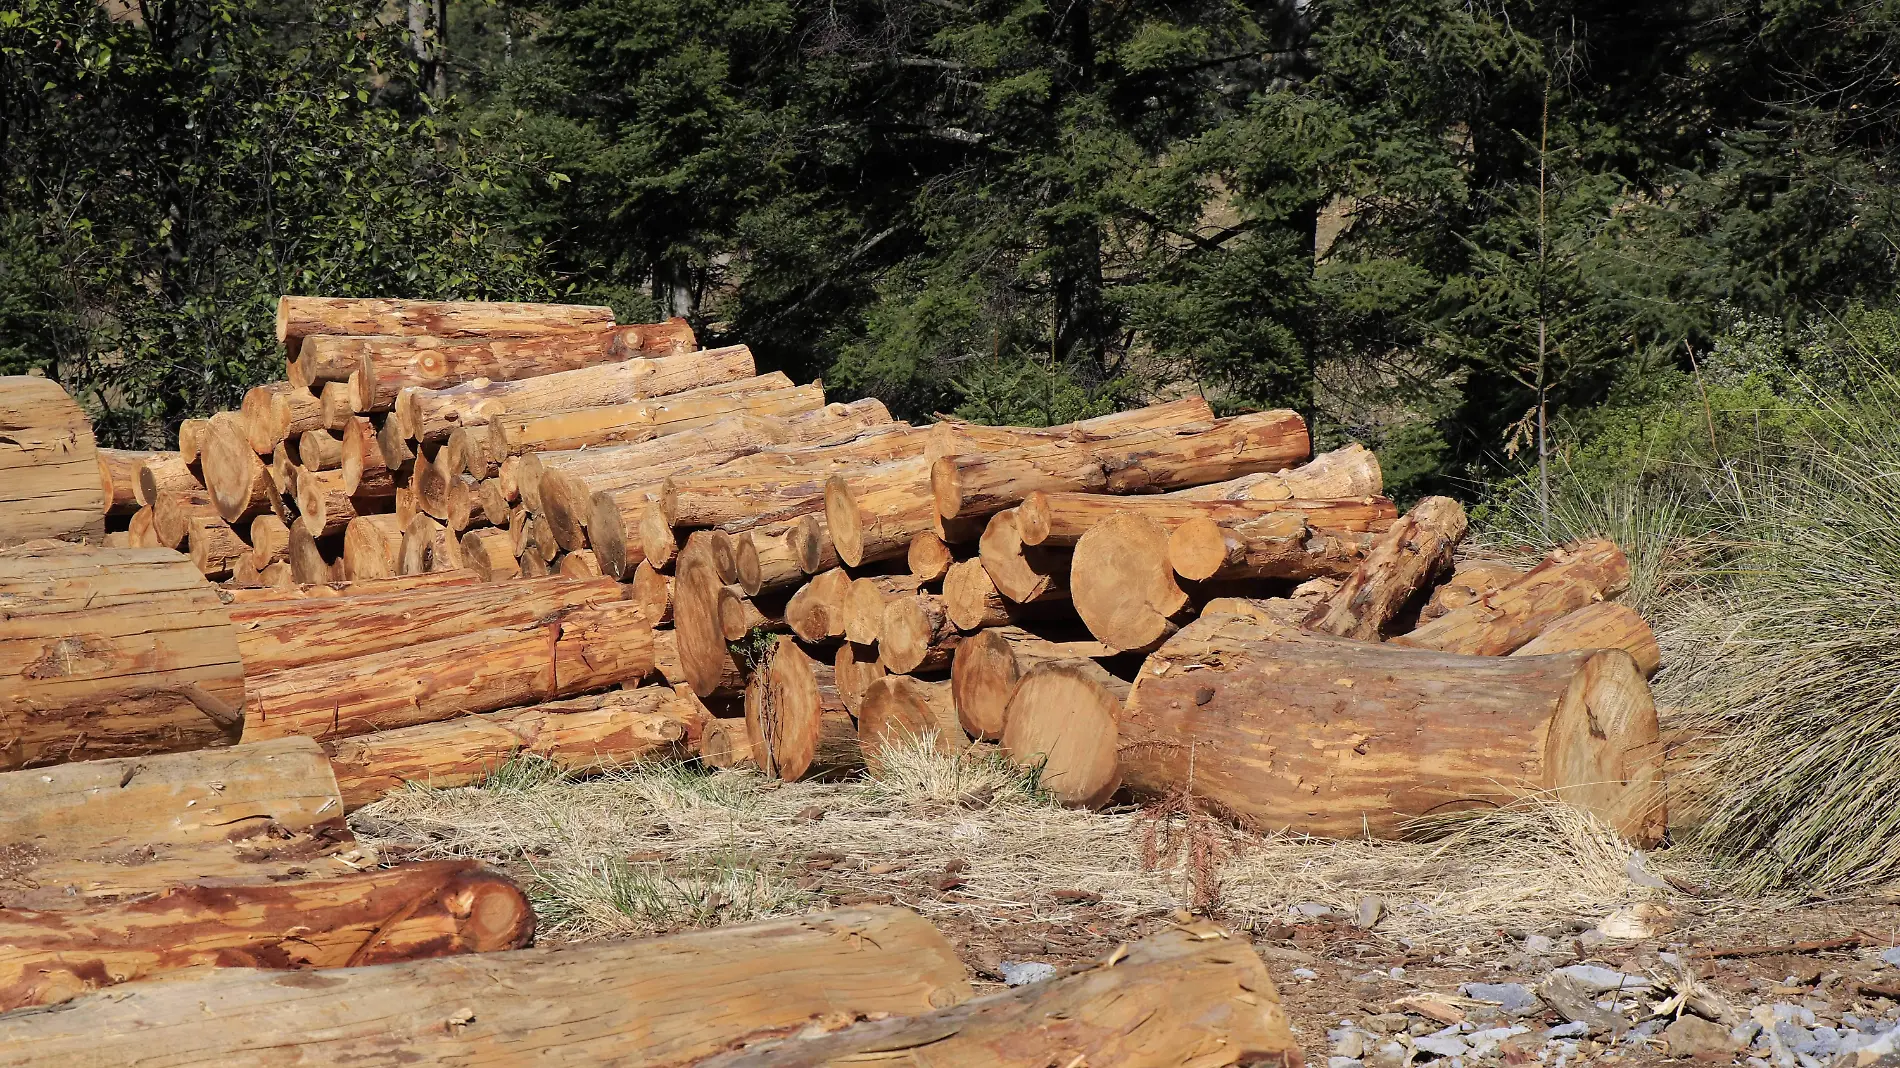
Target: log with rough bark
{"points": [[106, 829], [385, 366], [490, 553], [853, 669], [415, 912], [899, 713], [1280, 545], [952, 436], [49, 465], [796, 718], [173, 513], [1352, 471], [639, 1002], [269, 537], [163, 471], [278, 412], [1191, 995], [372, 547], [1123, 584], [301, 317], [916, 634], [617, 424], [1401, 562], [119, 478], [239, 484], [562, 654], [1604, 625], [1062, 718], [324, 507], [1324, 736], [1060, 519], [873, 514], [929, 556], [1023, 574], [990, 663], [585, 733], [817, 610], [1571, 577], [215, 548], [110, 652], [279, 635], [1469, 581]]}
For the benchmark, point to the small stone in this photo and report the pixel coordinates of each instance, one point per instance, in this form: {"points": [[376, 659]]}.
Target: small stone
{"points": [[1595, 979], [1514, 998], [1443, 1045], [1305, 974], [1744, 1033], [1351, 1044], [1344, 1062], [1312, 910], [1539, 945], [1387, 1023], [1025, 972], [948, 883], [1573, 1029], [1076, 897], [1891, 957], [1371, 910], [1389, 1055]]}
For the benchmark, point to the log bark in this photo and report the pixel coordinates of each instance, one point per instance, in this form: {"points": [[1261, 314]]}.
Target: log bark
{"points": [[119, 478], [1062, 718], [215, 547], [929, 556], [278, 412], [49, 465], [990, 663], [563, 654], [1060, 519], [950, 437], [324, 507], [1322, 736], [582, 734], [101, 830], [617, 424], [874, 514], [817, 611], [269, 539], [1123, 584], [372, 547], [639, 1002], [1604, 625], [280, 635], [1469, 581], [916, 634], [795, 717], [163, 471], [415, 912], [300, 317], [172, 516], [384, 366], [1192, 994], [490, 553], [1023, 574], [853, 669], [1276, 546], [1401, 562], [1571, 577], [900, 713], [239, 484], [1352, 471], [110, 652]]}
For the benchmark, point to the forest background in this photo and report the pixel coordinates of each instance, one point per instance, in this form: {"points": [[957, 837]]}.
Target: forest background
{"points": [[1436, 226]]}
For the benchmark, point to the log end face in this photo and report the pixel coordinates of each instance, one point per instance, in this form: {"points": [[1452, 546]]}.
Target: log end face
{"points": [[1122, 583], [1061, 719], [843, 521], [982, 676], [1602, 751], [946, 486], [1197, 549], [609, 536]]}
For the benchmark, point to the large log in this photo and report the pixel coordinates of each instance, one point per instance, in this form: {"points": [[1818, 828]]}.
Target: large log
{"points": [[639, 1002], [102, 830], [1062, 720], [1571, 577], [119, 478], [49, 465], [817, 610], [1401, 562], [239, 484], [1604, 625], [215, 547], [1280, 545], [300, 317], [949, 437], [1191, 995], [899, 712], [274, 636], [603, 730], [563, 654], [1023, 574], [1337, 738], [781, 554], [796, 718], [356, 588], [1352, 471], [111, 652], [873, 514], [415, 912], [1060, 519], [1470, 580], [618, 424], [278, 412], [990, 663], [916, 634], [163, 471], [385, 366], [429, 415]]}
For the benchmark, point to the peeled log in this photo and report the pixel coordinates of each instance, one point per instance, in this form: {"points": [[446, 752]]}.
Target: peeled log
{"points": [[899, 712], [372, 547], [953, 436], [864, 604], [1352, 471], [357, 588], [1401, 562], [172, 516], [490, 554], [784, 553], [616, 424], [270, 540], [1604, 625], [385, 366], [970, 597], [585, 733], [1060, 519], [916, 634], [929, 557], [310, 560], [335, 399], [105, 829], [215, 547], [278, 412], [796, 719], [1276, 546], [1123, 585], [111, 652], [163, 471], [1470, 580], [300, 317], [239, 484], [119, 479], [1190, 995], [989, 664], [1571, 577], [49, 466], [425, 547], [626, 1002], [320, 450], [1023, 574], [365, 471], [817, 610], [854, 668], [697, 628], [727, 745], [324, 506], [415, 912], [1341, 739], [573, 651], [191, 436]]}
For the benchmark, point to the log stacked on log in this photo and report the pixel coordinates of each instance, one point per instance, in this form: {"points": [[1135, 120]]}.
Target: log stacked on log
{"points": [[50, 482]]}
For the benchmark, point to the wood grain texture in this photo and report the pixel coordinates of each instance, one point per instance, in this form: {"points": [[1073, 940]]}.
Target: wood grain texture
{"points": [[1571, 577], [49, 465]]}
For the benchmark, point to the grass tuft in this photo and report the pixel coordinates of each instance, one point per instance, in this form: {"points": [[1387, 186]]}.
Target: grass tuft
{"points": [[614, 896]]}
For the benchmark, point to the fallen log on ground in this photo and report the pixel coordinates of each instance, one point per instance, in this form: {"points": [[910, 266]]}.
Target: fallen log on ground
{"points": [[49, 465], [415, 912], [300, 317], [640, 1002], [899, 712], [1060, 519], [797, 721], [1604, 625], [1401, 562], [1323, 736], [1062, 719], [111, 652], [990, 663], [1571, 577]]}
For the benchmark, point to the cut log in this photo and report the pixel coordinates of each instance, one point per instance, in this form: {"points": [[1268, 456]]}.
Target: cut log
{"points": [[359, 588], [494, 502], [270, 540], [562, 654], [279, 635], [582, 734], [696, 624], [864, 604], [372, 547], [1024, 574], [1352, 471], [138, 530], [491, 554], [953, 436], [872, 515], [398, 456], [1062, 720], [320, 450], [929, 556], [365, 470], [1123, 585], [191, 437], [334, 397], [465, 504], [415, 912], [916, 634], [467, 452], [1060, 519], [853, 669], [666, 660], [817, 610], [1469, 581], [899, 714], [712, 499], [111, 652], [311, 560], [384, 366], [581, 563], [1343, 739], [1401, 562], [738, 616], [172, 515], [783, 553], [640, 1002], [654, 592], [1193, 994], [215, 547], [989, 664], [244, 573], [970, 597], [797, 720], [424, 546], [119, 479], [324, 507], [49, 465], [727, 744], [239, 484], [164, 471], [277, 412], [616, 424], [278, 575], [300, 317], [1604, 625], [1571, 577], [429, 415], [101, 830], [1277, 546]]}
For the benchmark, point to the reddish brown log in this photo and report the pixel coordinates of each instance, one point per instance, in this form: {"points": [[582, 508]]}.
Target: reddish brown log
{"points": [[163, 471], [1604, 625], [1401, 562], [817, 610], [1352, 471], [797, 721], [1060, 519], [1571, 577], [1470, 580], [990, 663], [239, 485], [300, 317], [1277, 546]]}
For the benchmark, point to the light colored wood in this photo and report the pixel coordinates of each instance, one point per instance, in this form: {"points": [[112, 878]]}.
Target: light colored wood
{"points": [[215, 547], [970, 597], [1060, 519], [320, 450], [1276, 546], [1603, 625], [164, 471], [324, 507], [873, 514], [1123, 585], [1401, 562], [244, 573], [138, 530], [49, 465], [1324, 736], [795, 717], [424, 546], [119, 478], [278, 576], [491, 554], [864, 604], [817, 610], [1352, 471], [619, 1002], [738, 616], [781, 554], [1571, 577], [334, 397], [1062, 718], [929, 556], [1023, 574], [1470, 580], [988, 665], [385, 366], [953, 436], [581, 563], [372, 547], [697, 627], [300, 317], [581, 734], [731, 676], [560, 655], [277, 412], [110, 652], [899, 712], [727, 744], [415, 912], [311, 561], [172, 516], [853, 669], [654, 591], [1192, 994], [357, 588], [269, 539], [398, 455], [916, 634], [616, 424], [239, 484], [365, 472], [191, 436]]}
